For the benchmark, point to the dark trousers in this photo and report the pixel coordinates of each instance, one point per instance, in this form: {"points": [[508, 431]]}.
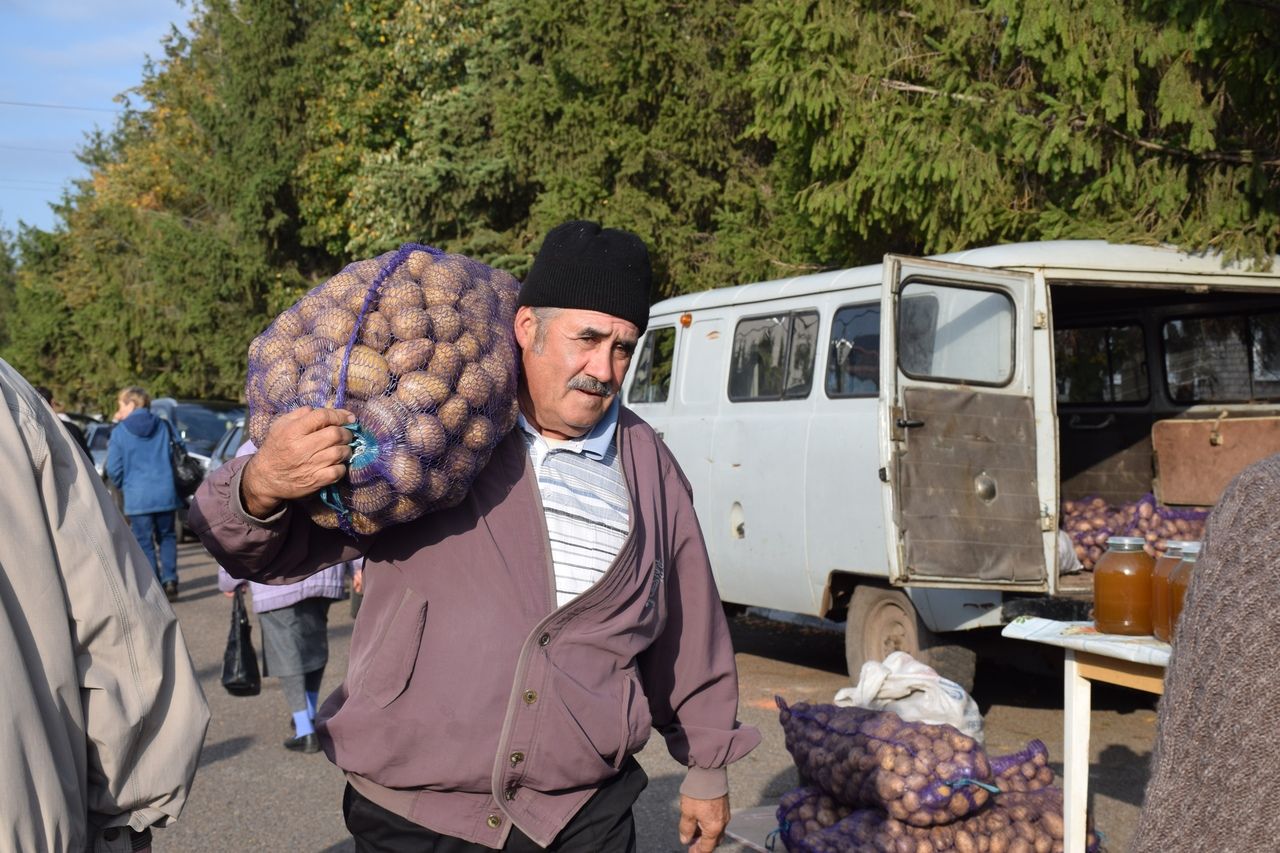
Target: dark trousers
{"points": [[603, 825]]}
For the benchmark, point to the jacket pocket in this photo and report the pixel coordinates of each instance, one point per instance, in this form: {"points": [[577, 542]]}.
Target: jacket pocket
{"points": [[637, 722], [392, 660]]}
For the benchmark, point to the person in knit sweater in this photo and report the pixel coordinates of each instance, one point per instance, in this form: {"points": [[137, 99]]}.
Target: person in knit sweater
{"points": [[1216, 743], [295, 636]]}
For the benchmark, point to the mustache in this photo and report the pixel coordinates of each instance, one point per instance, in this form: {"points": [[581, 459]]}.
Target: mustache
{"points": [[590, 384]]}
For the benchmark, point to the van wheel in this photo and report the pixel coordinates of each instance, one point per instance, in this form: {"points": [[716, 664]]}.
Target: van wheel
{"points": [[882, 621]]}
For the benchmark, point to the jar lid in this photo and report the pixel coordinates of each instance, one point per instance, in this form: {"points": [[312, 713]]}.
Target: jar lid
{"points": [[1174, 544], [1191, 547], [1126, 541]]}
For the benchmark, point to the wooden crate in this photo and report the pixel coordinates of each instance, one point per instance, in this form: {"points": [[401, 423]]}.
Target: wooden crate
{"points": [[1197, 457]]}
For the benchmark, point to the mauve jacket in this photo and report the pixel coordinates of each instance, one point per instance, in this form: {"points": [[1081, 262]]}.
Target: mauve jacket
{"points": [[471, 702]]}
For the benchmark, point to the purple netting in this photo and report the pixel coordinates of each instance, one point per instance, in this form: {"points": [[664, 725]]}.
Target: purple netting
{"points": [[1012, 822], [1091, 520], [804, 811], [920, 773], [1026, 770], [419, 345]]}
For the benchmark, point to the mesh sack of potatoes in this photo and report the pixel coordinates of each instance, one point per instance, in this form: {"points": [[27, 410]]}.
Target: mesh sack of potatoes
{"points": [[1025, 770], [1090, 521], [1011, 823], [805, 810], [419, 345], [920, 773]]}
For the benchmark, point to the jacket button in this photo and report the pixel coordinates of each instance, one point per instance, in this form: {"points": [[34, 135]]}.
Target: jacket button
{"points": [[516, 758], [494, 821], [530, 696], [544, 639]]}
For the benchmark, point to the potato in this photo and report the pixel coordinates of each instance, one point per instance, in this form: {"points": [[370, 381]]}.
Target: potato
{"points": [[286, 327], [454, 415], [312, 306], [407, 356], [399, 296], [446, 362], [309, 349], [446, 323], [421, 391], [367, 373], [375, 331], [409, 324]]}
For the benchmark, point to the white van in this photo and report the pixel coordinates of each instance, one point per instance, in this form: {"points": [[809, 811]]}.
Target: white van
{"points": [[889, 445]]}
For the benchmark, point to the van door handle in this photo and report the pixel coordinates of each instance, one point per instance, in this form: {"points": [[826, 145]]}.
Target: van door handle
{"points": [[1077, 422], [909, 423]]}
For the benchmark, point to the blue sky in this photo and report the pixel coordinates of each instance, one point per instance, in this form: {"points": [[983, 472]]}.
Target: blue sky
{"points": [[65, 53]]}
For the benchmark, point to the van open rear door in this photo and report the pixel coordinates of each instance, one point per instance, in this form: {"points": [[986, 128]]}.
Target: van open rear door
{"points": [[958, 425]]}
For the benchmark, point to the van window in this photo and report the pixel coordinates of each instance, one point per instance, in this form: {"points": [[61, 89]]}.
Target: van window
{"points": [[853, 359], [652, 380], [703, 353], [955, 334], [1102, 364], [802, 355], [1223, 359], [773, 356]]}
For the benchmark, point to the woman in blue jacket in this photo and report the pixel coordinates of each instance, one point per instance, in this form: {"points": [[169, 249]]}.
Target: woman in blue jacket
{"points": [[139, 465]]}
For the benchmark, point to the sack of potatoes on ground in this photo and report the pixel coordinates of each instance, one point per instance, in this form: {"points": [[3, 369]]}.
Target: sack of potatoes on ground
{"points": [[922, 774], [1012, 823], [419, 345]]}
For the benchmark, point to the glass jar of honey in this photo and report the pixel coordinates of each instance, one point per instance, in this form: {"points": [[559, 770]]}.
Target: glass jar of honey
{"points": [[1161, 624], [1122, 588], [1178, 582]]}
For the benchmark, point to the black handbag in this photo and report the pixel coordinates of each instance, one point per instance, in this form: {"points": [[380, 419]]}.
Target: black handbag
{"points": [[240, 675], [188, 473]]}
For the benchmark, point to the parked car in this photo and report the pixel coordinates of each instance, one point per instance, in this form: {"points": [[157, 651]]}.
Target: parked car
{"points": [[98, 437], [227, 445], [201, 424], [80, 419]]}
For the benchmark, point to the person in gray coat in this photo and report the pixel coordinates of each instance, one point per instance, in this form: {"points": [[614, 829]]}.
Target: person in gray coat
{"points": [[104, 717]]}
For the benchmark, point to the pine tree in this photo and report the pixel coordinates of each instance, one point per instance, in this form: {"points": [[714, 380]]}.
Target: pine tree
{"points": [[928, 125]]}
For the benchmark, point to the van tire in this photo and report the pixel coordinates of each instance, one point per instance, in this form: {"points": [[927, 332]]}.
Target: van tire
{"points": [[882, 621]]}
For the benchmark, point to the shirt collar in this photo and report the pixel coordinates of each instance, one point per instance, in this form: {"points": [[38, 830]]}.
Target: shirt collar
{"points": [[595, 443]]}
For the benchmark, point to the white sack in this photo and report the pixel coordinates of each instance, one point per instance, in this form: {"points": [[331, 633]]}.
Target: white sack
{"points": [[915, 692]]}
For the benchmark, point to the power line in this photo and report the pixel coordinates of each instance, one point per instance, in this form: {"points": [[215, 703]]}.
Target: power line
{"points": [[59, 107], [41, 150], [31, 181]]}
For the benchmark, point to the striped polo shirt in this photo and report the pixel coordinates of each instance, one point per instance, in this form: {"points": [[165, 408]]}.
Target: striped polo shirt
{"points": [[585, 499]]}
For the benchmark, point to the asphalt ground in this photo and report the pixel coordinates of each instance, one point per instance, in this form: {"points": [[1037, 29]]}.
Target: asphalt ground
{"points": [[250, 794]]}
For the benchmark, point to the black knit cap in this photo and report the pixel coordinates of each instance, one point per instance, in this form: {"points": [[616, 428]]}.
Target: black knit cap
{"points": [[584, 266]]}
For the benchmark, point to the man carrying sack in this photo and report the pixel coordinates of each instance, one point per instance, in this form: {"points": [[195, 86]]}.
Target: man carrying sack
{"points": [[513, 652]]}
